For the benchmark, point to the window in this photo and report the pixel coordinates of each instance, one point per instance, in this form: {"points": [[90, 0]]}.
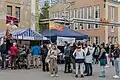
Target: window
{"points": [[96, 26], [89, 12], [90, 40], [9, 10], [97, 12], [67, 15], [75, 26], [113, 40], [57, 14], [112, 29], [17, 13], [52, 15], [97, 40], [89, 26], [63, 14], [81, 25], [82, 13], [60, 14], [112, 11], [75, 13]]}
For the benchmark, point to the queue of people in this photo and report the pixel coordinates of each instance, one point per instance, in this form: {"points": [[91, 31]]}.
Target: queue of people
{"points": [[77, 58], [19, 57]]}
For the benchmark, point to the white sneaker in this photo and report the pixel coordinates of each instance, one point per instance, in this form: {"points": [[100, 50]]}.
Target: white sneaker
{"points": [[52, 75], [56, 75], [116, 77]]}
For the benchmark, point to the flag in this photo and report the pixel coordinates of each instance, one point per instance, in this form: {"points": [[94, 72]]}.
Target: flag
{"points": [[53, 25], [59, 27]]}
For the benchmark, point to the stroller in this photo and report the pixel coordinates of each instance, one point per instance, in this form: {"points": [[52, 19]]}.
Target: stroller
{"points": [[21, 61]]}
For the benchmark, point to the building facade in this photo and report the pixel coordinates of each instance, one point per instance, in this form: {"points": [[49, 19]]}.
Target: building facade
{"points": [[97, 10], [21, 9]]}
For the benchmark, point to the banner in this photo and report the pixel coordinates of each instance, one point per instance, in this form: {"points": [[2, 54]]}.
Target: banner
{"points": [[61, 41]]}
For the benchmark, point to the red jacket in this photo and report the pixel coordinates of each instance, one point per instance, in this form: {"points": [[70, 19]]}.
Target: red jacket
{"points": [[14, 51]]}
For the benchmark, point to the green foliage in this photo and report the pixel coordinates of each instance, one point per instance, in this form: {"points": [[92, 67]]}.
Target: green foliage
{"points": [[45, 11], [44, 15], [42, 27]]}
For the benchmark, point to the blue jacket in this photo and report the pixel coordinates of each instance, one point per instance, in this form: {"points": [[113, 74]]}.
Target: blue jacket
{"points": [[36, 50]]}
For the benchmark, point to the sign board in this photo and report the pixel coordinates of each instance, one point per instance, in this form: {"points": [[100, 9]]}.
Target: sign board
{"points": [[19, 37], [28, 38], [61, 41]]}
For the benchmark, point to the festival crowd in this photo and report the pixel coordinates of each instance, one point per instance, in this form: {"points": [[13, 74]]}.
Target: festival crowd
{"points": [[78, 58]]}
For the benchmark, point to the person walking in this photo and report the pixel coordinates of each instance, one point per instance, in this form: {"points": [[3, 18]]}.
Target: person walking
{"points": [[102, 58], [44, 52], [67, 58], [79, 55], [89, 60], [116, 55], [3, 50], [52, 57], [14, 54], [36, 53]]}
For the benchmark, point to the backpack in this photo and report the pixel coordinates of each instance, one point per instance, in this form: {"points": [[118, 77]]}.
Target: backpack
{"points": [[88, 53]]}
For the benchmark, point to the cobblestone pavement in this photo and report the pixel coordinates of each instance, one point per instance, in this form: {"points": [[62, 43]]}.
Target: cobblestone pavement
{"points": [[37, 74]]}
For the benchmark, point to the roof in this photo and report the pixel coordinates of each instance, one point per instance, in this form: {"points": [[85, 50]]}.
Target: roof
{"points": [[65, 33], [25, 34]]}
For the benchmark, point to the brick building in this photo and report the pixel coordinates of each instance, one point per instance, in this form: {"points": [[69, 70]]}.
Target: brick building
{"points": [[20, 9], [95, 10]]}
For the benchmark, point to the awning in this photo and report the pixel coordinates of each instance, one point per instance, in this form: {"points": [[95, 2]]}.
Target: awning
{"points": [[65, 33], [27, 34]]}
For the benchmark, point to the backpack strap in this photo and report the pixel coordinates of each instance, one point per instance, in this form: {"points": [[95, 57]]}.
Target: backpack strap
{"points": [[83, 54]]}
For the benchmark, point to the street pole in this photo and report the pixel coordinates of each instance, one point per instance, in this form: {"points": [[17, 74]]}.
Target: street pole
{"points": [[106, 27], [119, 25]]}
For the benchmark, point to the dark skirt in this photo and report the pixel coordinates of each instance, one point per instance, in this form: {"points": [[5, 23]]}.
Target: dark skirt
{"points": [[103, 62], [79, 60]]}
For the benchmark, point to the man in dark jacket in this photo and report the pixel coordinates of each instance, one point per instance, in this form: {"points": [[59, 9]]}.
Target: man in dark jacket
{"points": [[67, 59], [3, 54], [44, 52]]}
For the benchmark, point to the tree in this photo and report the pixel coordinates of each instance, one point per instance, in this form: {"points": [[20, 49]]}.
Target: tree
{"points": [[44, 15]]}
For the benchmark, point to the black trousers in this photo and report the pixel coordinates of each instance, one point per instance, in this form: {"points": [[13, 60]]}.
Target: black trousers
{"points": [[45, 66], [89, 68], [67, 64]]}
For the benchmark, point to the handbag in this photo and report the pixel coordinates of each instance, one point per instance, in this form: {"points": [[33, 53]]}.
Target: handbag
{"points": [[47, 60]]}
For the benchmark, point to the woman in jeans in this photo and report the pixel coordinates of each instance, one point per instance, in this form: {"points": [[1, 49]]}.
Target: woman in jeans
{"points": [[79, 55], [88, 60], [52, 57], [102, 59], [116, 55]]}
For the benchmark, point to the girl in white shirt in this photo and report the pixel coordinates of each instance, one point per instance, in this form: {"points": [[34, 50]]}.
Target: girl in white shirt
{"points": [[79, 55]]}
